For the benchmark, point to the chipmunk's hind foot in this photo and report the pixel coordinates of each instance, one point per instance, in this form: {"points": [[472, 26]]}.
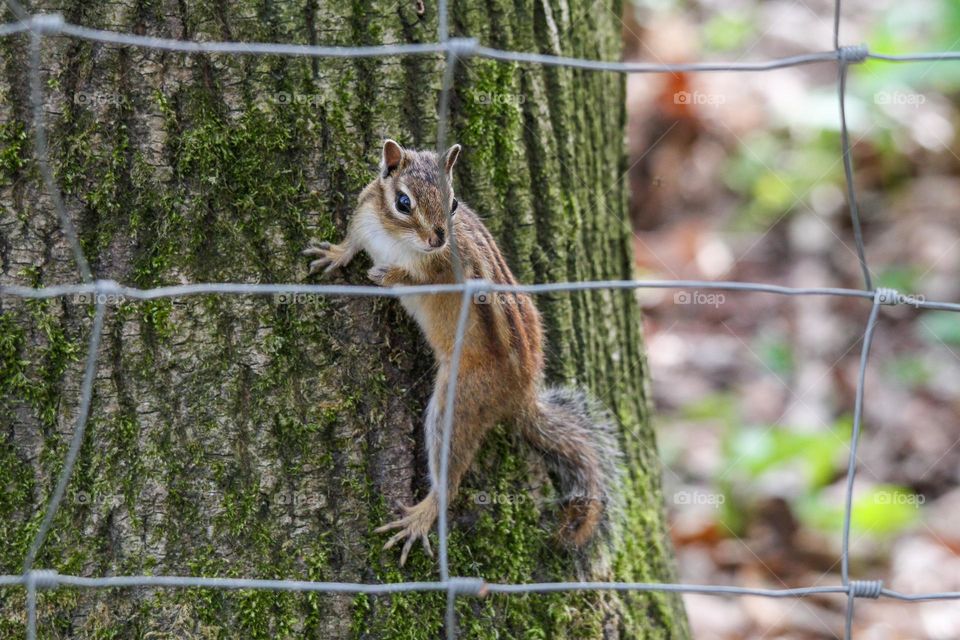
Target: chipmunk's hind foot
{"points": [[414, 525]]}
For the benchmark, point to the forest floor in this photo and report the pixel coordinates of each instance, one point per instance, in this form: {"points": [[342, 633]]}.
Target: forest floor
{"points": [[739, 177]]}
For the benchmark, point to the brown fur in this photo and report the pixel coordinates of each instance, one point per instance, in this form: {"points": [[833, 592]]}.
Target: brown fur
{"points": [[501, 370]]}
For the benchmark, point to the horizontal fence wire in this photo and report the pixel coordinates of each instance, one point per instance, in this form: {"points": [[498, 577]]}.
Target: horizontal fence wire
{"points": [[94, 290], [472, 586], [54, 25]]}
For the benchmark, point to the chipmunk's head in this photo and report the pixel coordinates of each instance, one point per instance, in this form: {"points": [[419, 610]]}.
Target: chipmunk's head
{"points": [[412, 192]]}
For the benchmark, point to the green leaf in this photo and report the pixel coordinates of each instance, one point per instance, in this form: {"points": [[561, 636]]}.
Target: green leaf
{"points": [[900, 277], [758, 451], [726, 31], [777, 354], [717, 406], [912, 371], [881, 511], [940, 326]]}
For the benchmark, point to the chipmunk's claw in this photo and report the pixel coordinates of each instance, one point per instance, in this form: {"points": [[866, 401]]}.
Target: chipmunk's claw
{"points": [[316, 249], [415, 525]]}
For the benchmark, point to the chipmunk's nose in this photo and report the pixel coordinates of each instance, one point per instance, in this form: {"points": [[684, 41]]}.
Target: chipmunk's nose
{"points": [[436, 240]]}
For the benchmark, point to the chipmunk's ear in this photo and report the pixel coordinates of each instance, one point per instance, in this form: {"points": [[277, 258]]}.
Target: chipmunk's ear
{"points": [[450, 158], [392, 157]]}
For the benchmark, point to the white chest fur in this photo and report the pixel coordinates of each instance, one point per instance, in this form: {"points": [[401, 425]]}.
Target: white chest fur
{"points": [[385, 250]]}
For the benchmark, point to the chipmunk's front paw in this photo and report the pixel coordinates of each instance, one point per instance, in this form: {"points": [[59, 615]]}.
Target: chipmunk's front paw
{"points": [[378, 275], [328, 257], [414, 525]]}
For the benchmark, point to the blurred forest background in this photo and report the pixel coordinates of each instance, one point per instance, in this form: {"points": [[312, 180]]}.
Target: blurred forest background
{"points": [[739, 177]]}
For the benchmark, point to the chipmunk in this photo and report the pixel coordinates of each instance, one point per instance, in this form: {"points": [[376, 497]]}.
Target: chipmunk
{"points": [[400, 223]]}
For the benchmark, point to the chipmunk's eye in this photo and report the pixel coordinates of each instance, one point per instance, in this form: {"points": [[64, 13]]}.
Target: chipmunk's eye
{"points": [[453, 207], [403, 202]]}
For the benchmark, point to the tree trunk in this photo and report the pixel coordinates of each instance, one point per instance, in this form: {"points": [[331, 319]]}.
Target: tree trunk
{"points": [[255, 437]]}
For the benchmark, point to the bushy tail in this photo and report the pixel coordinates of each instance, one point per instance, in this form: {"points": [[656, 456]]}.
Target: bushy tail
{"points": [[578, 440]]}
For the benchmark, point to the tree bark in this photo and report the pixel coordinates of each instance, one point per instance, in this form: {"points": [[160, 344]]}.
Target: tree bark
{"points": [[267, 438]]}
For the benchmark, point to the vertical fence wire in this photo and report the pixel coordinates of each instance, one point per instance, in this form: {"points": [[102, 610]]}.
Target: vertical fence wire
{"points": [[31, 605], [852, 463], [83, 415], [449, 410], [32, 579], [41, 151], [848, 171]]}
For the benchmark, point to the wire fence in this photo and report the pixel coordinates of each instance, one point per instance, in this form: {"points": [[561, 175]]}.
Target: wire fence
{"points": [[42, 26]]}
